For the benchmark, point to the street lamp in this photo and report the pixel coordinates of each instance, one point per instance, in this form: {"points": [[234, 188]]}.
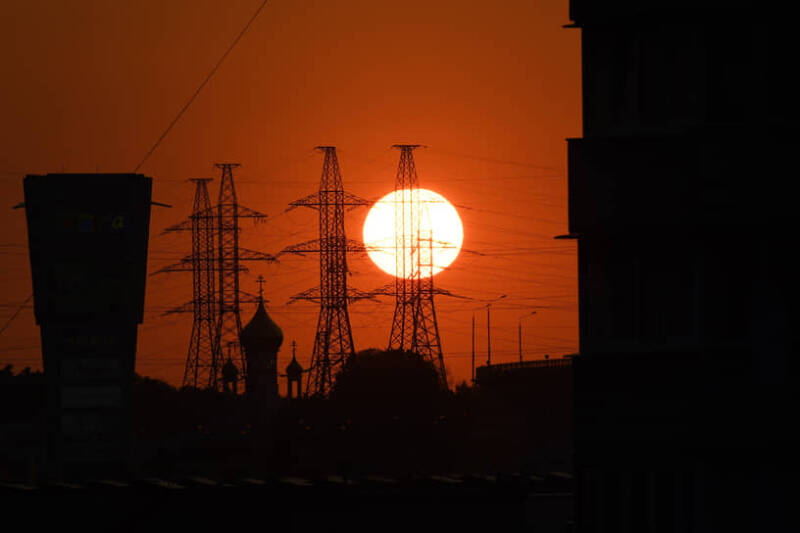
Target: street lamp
{"points": [[488, 337], [473, 347], [489, 330], [519, 331]]}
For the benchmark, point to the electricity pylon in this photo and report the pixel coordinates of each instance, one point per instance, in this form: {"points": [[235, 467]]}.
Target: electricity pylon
{"points": [[333, 342], [215, 266], [203, 361], [414, 325]]}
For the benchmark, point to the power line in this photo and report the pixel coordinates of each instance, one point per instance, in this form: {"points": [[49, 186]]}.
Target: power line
{"points": [[202, 85], [17, 312]]}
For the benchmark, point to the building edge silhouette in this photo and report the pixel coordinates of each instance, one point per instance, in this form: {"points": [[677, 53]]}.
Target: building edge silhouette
{"points": [[88, 236], [683, 207]]}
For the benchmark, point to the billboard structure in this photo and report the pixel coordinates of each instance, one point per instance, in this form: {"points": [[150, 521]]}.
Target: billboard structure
{"points": [[87, 236]]}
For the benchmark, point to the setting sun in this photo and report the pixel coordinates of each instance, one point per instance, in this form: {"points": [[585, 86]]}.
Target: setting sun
{"points": [[439, 231]]}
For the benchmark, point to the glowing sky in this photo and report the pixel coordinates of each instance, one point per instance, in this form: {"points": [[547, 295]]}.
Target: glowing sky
{"points": [[492, 89]]}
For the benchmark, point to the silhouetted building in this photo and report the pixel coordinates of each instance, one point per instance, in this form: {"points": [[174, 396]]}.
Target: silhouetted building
{"points": [[294, 378], [679, 196], [261, 339], [87, 236], [522, 373], [523, 414]]}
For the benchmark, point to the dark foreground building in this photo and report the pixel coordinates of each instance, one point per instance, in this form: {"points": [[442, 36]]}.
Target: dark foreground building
{"points": [[87, 236], [683, 201], [522, 415]]}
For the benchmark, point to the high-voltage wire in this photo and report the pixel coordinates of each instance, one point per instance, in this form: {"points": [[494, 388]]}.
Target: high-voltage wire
{"points": [[16, 313], [333, 341], [201, 86]]}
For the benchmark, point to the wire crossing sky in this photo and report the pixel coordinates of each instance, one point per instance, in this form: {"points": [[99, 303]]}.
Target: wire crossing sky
{"points": [[202, 85], [492, 91]]}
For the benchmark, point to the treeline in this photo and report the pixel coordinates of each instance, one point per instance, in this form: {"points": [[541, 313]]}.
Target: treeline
{"points": [[22, 395], [386, 414]]}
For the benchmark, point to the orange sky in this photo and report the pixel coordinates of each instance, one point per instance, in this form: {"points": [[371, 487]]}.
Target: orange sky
{"points": [[492, 88]]}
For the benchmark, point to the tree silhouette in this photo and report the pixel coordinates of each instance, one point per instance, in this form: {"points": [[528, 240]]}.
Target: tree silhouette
{"points": [[388, 383]]}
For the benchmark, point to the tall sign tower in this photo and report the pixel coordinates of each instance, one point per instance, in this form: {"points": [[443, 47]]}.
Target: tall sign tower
{"points": [[87, 236]]}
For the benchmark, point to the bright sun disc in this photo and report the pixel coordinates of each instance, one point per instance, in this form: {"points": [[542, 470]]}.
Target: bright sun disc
{"points": [[425, 220]]}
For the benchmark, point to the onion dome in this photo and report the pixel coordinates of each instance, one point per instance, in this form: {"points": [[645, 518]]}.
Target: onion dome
{"points": [[293, 369], [261, 334]]}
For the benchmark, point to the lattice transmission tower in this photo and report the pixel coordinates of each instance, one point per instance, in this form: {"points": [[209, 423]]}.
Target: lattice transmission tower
{"points": [[203, 359], [215, 266], [414, 325], [333, 342]]}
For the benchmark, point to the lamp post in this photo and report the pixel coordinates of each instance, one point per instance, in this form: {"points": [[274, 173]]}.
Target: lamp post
{"points": [[519, 332], [489, 330], [473, 347]]}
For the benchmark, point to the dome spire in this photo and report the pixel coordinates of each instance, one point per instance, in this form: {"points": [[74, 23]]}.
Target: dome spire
{"points": [[294, 370], [260, 281], [294, 375], [261, 333]]}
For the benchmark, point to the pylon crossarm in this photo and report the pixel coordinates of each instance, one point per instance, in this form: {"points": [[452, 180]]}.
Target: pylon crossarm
{"points": [[379, 249], [312, 201], [389, 290], [184, 265], [186, 225], [354, 201], [313, 295], [314, 246], [188, 307], [300, 249], [386, 290], [355, 295], [445, 292], [245, 254], [350, 247], [355, 247], [349, 200], [246, 212]]}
